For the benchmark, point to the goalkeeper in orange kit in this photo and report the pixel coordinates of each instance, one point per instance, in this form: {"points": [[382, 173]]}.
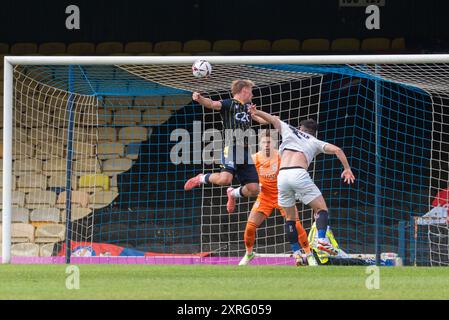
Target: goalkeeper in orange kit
{"points": [[267, 162]]}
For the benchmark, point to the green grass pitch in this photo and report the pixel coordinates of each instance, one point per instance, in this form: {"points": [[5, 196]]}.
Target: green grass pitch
{"points": [[221, 282]]}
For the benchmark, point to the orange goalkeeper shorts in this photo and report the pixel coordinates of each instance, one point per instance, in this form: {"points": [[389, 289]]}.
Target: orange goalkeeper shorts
{"points": [[266, 205]]}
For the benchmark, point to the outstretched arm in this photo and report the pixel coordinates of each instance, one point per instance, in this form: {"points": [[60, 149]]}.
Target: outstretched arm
{"points": [[255, 117], [206, 102], [259, 116], [347, 173]]}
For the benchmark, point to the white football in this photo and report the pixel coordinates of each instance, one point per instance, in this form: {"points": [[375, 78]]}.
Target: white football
{"points": [[201, 69]]}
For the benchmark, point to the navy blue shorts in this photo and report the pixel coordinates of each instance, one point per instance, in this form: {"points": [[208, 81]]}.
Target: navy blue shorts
{"points": [[239, 165]]}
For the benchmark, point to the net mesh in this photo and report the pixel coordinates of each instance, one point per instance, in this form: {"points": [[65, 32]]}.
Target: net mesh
{"points": [[127, 195]]}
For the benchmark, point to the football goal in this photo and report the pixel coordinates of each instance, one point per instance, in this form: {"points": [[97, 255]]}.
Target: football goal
{"points": [[96, 151]]}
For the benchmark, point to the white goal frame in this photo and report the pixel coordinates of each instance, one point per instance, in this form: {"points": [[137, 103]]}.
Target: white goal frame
{"points": [[11, 61]]}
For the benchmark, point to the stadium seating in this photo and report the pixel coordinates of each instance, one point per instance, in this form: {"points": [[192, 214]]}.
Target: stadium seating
{"points": [[345, 44], [82, 150], [52, 166], [27, 166], [39, 196], [37, 101], [52, 48], [398, 44], [94, 183], [18, 199], [45, 215], [22, 232], [81, 49], [106, 134], [104, 116], [226, 46], [25, 250], [46, 151], [116, 166], [80, 135], [127, 117], [46, 250], [50, 233], [155, 116], [149, 54], [23, 151], [143, 103], [78, 199], [40, 166], [40, 199], [20, 215], [176, 102], [375, 44], [183, 53], [286, 45], [138, 47], [86, 166], [13, 181], [256, 46], [132, 134], [110, 150], [167, 47], [32, 182], [76, 214], [109, 48], [4, 49], [201, 47], [197, 46], [43, 134], [315, 45], [117, 103], [30, 119], [23, 48], [101, 199], [59, 181]]}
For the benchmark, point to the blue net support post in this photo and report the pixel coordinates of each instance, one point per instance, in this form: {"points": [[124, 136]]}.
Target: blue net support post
{"points": [[68, 205], [378, 192], [402, 231], [412, 240]]}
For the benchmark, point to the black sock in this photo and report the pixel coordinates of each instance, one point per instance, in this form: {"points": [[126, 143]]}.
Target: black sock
{"points": [[292, 235], [322, 221]]}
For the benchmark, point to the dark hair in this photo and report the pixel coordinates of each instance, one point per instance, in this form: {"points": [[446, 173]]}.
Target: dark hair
{"points": [[310, 126], [265, 134]]}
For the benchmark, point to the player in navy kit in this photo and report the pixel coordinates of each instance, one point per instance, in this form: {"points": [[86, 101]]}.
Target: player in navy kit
{"points": [[298, 149], [236, 120]]}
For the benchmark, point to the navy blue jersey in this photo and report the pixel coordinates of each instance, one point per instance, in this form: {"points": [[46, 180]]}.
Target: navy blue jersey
{"points": [[235, 115]]}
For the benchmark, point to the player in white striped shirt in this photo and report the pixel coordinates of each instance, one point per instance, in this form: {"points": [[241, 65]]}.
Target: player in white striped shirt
{"points": [[298, 149]]}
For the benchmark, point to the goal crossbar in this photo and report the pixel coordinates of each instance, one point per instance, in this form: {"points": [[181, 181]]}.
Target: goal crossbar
{"points": [[288, 59]]}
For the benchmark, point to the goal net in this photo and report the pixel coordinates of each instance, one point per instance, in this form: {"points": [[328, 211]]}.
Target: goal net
{"points": [[98, 151]]}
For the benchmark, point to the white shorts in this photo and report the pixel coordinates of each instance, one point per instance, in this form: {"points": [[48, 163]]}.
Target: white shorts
{"points": [[294, 183]]}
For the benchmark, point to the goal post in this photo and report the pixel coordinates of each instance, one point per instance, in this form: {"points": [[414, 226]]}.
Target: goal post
{"points": [[388, 112], [7, 159]]}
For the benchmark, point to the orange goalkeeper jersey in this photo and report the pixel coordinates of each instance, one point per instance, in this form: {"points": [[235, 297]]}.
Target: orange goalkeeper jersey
{"points": [[268, 169]]}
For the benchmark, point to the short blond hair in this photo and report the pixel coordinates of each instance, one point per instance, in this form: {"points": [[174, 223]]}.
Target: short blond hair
{"points": [[238, 85]]}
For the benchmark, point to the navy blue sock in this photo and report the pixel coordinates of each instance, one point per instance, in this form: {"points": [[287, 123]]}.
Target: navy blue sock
{"points": [[322, 222], [206, 178], [292, 235]]}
